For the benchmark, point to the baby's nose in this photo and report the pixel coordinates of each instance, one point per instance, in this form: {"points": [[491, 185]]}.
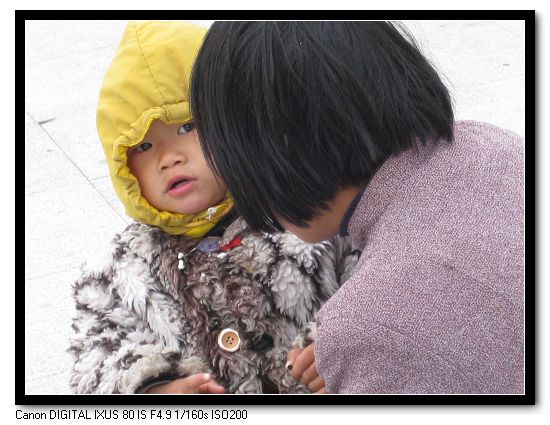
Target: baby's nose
{"points": [[168, 164], [171, 159]]}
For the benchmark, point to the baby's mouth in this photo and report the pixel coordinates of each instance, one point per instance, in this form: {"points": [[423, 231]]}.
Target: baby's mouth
{"points": [[177, 183], [180, 185]]}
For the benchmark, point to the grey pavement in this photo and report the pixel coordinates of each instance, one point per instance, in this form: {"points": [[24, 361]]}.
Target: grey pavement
{"points": [[71, 211]]}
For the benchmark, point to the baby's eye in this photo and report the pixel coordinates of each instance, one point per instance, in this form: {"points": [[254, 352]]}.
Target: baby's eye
{"points": [[186, 128], [143, 147]]}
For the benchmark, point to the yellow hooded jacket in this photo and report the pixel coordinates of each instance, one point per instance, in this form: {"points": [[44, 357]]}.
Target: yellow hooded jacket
{"points": [[149, 79]]}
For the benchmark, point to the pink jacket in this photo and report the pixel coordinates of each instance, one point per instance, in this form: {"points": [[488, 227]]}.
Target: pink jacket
{"points": [[436, 302]]}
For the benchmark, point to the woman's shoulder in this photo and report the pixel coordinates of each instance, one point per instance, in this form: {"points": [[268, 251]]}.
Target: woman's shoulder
{"points": [[488, 136]]}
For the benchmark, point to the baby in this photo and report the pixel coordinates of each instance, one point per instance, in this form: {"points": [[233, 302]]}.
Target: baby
{"points": [[187, 299]]}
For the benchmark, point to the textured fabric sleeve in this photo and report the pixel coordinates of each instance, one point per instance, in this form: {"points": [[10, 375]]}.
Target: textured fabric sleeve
{"points": [[113, 348], [413, 327]]}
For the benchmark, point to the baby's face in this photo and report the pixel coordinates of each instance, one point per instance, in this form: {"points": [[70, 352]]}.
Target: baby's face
{"points": [[172, 172]]}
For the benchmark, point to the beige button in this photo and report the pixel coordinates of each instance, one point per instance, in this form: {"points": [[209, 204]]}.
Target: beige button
{"points": [[229, 340]]}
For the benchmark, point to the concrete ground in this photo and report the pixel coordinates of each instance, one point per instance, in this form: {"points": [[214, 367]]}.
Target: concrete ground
{"points": [[71, 210]]}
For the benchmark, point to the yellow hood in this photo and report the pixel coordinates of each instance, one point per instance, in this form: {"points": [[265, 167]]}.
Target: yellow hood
{"points": [[149, 79]]}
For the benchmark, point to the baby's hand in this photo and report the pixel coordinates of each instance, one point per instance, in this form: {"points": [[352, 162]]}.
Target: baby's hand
{"points": [[301, 361], [200, 383]]}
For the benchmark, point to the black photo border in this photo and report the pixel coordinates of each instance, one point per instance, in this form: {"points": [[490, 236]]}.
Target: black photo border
{"points": [[233, 400]]}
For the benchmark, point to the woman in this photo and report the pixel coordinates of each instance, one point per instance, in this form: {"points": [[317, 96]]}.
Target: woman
{"points": [[323, 128]]}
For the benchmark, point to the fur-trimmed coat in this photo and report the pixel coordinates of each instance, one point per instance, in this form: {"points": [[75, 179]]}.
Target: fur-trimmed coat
{"points": [[155, 308]]}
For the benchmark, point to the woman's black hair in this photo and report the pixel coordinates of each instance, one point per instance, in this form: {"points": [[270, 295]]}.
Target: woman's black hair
{"points": [[288, 113]]}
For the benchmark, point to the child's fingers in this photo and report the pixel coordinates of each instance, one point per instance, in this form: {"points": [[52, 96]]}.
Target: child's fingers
{"points": [[212, 387], [322, 391], [191, 383], [291, 357], [303, 361]]}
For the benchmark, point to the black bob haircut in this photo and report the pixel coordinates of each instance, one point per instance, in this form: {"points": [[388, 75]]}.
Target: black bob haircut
{"points": [[289, 113]]}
